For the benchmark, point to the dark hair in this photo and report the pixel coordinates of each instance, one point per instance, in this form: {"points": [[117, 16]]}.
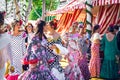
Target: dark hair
{"points": [[27, 26], [15, 22], [96, 27], [40, 26], [53, 25], [1, 18], [116, 27], [111, 29]]}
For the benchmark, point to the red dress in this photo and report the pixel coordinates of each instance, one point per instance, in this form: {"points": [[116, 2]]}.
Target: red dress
{"points": [[94, 65], [12, 77]]}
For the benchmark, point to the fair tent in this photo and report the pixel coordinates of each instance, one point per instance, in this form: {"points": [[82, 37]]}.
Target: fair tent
{"points": [[101, 11]]}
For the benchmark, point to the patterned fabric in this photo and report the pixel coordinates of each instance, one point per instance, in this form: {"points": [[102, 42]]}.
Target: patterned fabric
{"points": [[55, 66], [83, 44], [39, 49], [18, 50], [51, 55], [84, 67], [83, 58], [37, 73], [73, 71], [45, 55], [94, 65]]}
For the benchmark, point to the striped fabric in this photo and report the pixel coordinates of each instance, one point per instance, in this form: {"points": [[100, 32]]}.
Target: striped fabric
{"points": [[104, 2], [108, 15], [75, 4]]}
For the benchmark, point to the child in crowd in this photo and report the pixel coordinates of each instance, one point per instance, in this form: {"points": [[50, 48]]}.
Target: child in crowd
{"points": [[12, 75], [35, 72]]}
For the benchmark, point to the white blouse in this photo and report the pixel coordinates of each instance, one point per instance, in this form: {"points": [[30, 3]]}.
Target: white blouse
{"points": [[95, 36]]}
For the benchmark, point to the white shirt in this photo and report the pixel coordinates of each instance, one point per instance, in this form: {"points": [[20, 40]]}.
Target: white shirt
{"points": [[95, 36]]}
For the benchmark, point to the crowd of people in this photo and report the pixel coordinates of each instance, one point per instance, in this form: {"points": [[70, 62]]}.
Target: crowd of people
{"points": [[35, 54]]}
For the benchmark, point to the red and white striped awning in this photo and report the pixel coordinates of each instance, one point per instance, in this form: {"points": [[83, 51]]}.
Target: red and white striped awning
{"points": [[104, 2], [74, 4], [79, 4]]}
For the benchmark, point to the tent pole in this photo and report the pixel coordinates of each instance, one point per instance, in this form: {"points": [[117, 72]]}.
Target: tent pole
{"points": [[89, 17]]}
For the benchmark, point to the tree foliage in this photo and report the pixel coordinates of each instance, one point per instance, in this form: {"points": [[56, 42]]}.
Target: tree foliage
{"points": [[34, 15], [50, 5]]}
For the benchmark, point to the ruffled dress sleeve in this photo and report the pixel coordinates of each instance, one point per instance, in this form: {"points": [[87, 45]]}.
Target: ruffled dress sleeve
{"points": [[95, 37]]}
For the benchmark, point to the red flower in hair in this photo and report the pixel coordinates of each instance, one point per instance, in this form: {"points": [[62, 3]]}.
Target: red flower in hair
{"points": [[21, 22]]}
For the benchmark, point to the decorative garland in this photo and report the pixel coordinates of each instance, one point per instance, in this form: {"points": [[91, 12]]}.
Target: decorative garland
{"points": [[88, 22]]}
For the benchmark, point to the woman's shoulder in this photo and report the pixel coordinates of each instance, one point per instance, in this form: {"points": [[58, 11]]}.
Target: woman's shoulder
{"points": [[96, 34], [57, 36]]}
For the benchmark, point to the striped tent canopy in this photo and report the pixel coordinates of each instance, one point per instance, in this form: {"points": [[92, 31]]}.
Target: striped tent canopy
{"points": [[104, 2], [74, 4], [80, 4], [105, 12]]}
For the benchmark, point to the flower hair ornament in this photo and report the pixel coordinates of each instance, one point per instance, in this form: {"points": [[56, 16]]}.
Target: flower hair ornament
{"points": [[80, 25], [75, 22]]}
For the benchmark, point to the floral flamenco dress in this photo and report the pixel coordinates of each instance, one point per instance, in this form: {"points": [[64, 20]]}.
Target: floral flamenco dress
{"points": [[73, 71], [54, 59], [83, 64], [37, 73], [94, 65], [37, 47]]}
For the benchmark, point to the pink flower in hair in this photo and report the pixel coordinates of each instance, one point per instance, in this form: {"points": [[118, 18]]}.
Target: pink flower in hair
{"points": [[21, 22], [24, 35]]}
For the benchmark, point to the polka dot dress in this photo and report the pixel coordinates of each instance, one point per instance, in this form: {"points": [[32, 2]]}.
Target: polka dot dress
{"points": [[17, 50]]}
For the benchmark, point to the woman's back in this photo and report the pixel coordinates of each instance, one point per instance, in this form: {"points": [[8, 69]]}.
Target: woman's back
{"points": [[110, 46]]}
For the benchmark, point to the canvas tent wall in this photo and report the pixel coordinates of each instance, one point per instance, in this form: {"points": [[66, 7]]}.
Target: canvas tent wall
{"points": [[105, 12], [108, 13]]}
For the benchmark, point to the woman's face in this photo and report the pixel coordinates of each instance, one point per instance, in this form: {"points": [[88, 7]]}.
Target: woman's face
{"points": [[29, 28], [17, 26], [32, 65], [98, 30], [74, 27], [47, 28]]}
